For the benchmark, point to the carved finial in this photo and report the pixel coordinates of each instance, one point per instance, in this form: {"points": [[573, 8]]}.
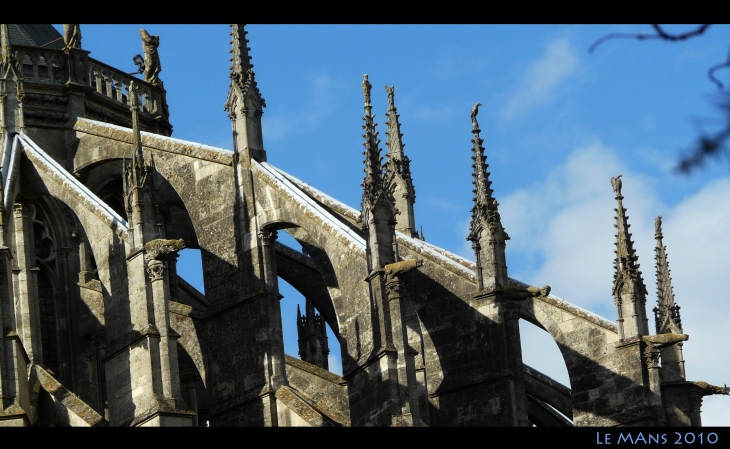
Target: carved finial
{"points": [[474, 112], [151, 57], [658, 227], [391, 97], [71, 36], [366, 86], [616, 184]]}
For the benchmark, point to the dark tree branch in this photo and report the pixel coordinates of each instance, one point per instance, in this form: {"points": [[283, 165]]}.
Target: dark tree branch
{"points": [[708, 145], [681, 36], [711, 72], [660, 34]]}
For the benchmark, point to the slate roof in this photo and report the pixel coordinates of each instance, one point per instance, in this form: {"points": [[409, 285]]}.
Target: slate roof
{"points": [[35, 35]]}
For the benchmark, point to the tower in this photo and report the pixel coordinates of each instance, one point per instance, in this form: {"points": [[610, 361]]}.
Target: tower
{"points": [[312, 337]]}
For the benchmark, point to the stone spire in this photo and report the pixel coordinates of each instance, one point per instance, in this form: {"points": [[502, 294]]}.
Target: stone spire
{"points": [[398, 168], [373, 181], [244, 103], [485, 231], [666, 313], [312, 334], [241, 59], [629, 291], [378, 210]]}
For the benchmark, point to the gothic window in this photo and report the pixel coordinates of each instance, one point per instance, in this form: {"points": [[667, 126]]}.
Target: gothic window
{"points": [[45, 252]]}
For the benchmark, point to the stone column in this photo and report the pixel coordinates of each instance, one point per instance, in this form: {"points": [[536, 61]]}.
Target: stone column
{"points": [[651, 355], [160, 253], [514, 350], [192, 396], [397, 337], [27, 306]]}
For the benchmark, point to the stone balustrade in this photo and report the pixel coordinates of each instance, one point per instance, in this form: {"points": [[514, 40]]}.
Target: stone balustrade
{"points": [[44, 65], [114, 84]]}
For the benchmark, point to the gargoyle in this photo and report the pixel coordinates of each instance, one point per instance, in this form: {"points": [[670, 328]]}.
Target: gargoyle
{"points": [[163, 249]]}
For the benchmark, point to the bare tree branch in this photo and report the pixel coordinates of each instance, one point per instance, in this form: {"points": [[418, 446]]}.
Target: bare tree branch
{"points": [[708, 145], [711, 72], [660, 34], [681, 36]]}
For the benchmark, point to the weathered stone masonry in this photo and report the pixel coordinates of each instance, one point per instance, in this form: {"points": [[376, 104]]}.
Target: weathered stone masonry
{"points": [[99, 330]]}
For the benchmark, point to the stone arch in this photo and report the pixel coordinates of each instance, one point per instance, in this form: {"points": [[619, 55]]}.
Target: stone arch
{"points": [[280, 202], [575, 331], [324, 268], [196, 172]]}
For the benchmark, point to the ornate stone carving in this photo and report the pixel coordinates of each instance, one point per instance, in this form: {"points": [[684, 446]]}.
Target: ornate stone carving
{"points": [[100, 114], [45, 118], [705, 389], [163, 249], [519, 292], [511, 310], [156, 270], [268, 237]]}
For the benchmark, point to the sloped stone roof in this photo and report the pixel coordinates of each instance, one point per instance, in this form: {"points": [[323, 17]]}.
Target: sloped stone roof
{"points": [[35, 35]]}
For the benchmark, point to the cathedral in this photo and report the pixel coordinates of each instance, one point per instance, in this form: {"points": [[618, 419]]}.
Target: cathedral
{"points": [[98, 329]]}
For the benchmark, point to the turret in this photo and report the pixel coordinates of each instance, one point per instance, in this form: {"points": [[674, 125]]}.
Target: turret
{"points": [[312, 334]]}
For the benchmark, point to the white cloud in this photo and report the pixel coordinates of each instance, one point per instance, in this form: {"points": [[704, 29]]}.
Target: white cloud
{"points": [[567, 219], [541, 80]]}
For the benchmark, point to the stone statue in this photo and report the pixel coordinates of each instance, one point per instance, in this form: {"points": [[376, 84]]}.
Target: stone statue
{"points": [[391, 96], [151, 57], [366, 86], [658, 225], [71, 35], [474, 112], [616, 184]]}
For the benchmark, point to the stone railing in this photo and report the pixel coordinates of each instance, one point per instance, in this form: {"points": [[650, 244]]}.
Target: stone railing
{"points": [[114, 84], [42, 65]]}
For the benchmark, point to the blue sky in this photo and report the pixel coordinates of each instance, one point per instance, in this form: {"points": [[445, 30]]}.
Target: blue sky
{"points": [[557, 123]]}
